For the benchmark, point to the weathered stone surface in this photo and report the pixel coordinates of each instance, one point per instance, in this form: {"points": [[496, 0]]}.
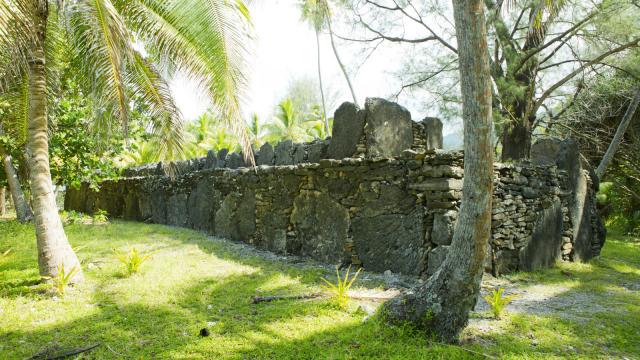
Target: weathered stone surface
{"points": [[234, 160], [299, 154], [317, 150], [159, 206], [266, 156], [442, 231], [588, 231], [284, 153], [385, 213], [433, 133], [320, 225], [388, 128], [202, 206], [177, 210], [348, 125], [222, 157], [545, 246], [436, 258], [236, 217], [390, 242]]}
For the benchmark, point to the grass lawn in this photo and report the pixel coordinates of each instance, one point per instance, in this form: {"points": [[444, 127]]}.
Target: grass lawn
{"points": [[193, 282]]}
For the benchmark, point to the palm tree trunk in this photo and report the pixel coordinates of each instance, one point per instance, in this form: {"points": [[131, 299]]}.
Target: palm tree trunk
{"points": [[53, 247], [3, 201], [617, 138], [444, 301], [344, 70], [324, 107], [23, 211]]}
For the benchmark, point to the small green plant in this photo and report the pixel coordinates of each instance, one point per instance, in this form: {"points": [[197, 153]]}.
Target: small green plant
{"points": [[100, 216], [63, 278], [498, 302], [340, 290], [132, 260]]}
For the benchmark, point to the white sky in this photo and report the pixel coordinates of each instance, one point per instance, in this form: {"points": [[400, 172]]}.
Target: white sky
{"points": [[285, 49]]}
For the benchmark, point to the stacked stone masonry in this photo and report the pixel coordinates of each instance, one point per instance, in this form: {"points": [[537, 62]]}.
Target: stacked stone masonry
{"points": [[381, 206]]}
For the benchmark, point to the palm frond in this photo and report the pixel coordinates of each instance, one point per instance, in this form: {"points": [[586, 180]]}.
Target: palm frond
{"points": [[205, 40], [166, 120], [101, 39], [16, 35]]}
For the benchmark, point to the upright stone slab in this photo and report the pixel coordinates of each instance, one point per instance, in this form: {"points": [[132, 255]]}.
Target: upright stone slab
{"points": [[266, 155], [588, 230], [321, 226], [211, 160], [348, 125], [284, 153], [433, 133], [222, 157], [234, 160], [299, 154], [388, 128], [544, 248], [316, 151]]}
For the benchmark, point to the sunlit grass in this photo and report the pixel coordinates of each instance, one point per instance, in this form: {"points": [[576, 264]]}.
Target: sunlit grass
{"points": [[192, 282]]}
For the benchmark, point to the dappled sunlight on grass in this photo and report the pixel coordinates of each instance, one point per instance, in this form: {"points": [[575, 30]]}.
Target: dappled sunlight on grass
{"points": [[192, 282]]}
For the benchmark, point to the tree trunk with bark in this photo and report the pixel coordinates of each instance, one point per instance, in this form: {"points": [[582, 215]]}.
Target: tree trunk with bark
{"points": [[342, 67], [3, 201], [324, 107], [53, 247], [443, 303], [617, 138], [23, 210]]}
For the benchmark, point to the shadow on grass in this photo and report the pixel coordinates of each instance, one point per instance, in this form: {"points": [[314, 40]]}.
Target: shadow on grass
{"points": [[168, 328]]}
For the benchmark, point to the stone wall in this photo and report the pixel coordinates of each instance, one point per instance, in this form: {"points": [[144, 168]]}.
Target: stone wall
{"points": [[382, 207]]}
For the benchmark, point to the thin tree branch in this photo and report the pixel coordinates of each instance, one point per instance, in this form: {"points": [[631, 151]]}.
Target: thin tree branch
{"points": [[571, 75]]}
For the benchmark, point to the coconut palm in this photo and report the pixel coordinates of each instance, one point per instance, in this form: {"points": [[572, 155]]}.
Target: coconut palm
{"points": [[121, 46], [318, 13], [289, 123]]}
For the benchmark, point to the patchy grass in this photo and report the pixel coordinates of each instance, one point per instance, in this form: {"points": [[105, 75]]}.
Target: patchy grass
{"points": [[573, 310], [192, 282]]}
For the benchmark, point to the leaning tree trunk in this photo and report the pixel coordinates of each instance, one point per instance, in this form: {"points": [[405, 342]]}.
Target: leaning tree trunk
{"points": [[617, 138], [344, 70], [324, 107], [443, 303], [3, 201], [23, 211], [53, 247]]}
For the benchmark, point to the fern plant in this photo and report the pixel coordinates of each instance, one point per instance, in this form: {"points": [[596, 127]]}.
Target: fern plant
{"points": [[340, 290], [498, 302], [132, 260], [63, 278]]}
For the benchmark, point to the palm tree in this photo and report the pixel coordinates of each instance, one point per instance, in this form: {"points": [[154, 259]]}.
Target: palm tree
{"points": [[318, 14], [289, 124], [256, 131], [203, 39]]}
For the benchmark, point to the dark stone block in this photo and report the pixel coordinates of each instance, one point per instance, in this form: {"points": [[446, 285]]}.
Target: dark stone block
{"points": [[388, 129], [321, 226], [391, 242], [266, 156], [433, 133], [348, 125], [284, 153], [545, 246]]}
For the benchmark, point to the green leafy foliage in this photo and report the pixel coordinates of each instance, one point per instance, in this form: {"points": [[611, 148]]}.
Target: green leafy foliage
{"points": [[132, 260], [100, 216], [498, 302], [340, 290], [63, 278]]}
